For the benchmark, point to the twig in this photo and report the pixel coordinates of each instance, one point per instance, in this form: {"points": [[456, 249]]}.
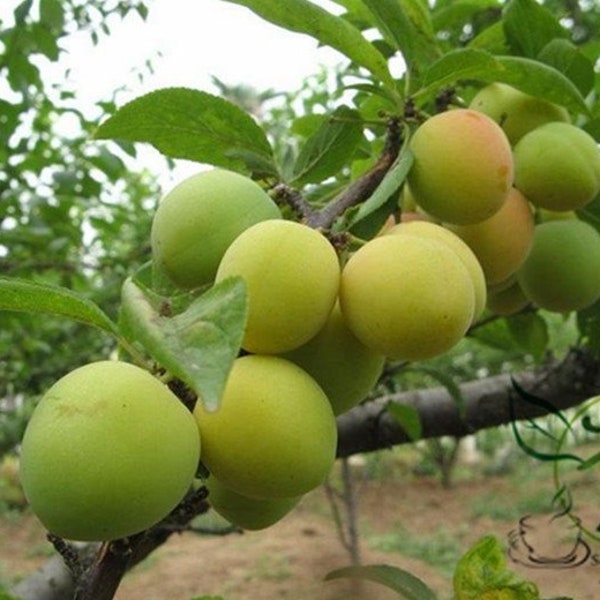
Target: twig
{"points": [[364, 186]]}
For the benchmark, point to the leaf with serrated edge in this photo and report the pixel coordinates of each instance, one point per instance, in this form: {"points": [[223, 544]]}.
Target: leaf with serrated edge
{"points": [[197, 346], [27, 296], [329, 148], [192, 125]]}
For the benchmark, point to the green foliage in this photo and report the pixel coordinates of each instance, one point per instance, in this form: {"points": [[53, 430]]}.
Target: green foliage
{"points": [[194, 125], [72, 215], [480, 573], [404, 583], [198, 345]]}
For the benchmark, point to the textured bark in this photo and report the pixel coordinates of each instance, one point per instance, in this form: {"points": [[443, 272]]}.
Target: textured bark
{"points": [[485, 403]]}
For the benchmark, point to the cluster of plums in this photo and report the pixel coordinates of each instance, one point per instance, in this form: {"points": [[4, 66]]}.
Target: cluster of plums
{"points": [[487, 222], [507, 176]]}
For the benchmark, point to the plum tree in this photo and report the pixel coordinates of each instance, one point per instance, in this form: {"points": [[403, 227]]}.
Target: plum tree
{"points": [[344, 367], [292, 276], [245, 512], [199, 218], [274, 434], [434, 231], [108, 452], [502, 242], [463, 166], [561, 271], [407, 297], [516, 112], [557, 167]]}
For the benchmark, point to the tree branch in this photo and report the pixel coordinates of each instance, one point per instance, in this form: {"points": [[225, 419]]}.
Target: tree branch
{"points": [[364, 186], [486, 403]]}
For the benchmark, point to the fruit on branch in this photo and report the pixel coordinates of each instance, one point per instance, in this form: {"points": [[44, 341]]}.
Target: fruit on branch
{"points": [[274, 434], [247, 513], [437, 232], [108, 452], [463, 166], [516, 112], [557, 167], [407, 297], [561, 273], [197, 220], [344, 367], [292, 276], [502, 242]]}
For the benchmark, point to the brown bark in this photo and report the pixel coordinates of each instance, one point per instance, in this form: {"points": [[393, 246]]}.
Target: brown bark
{"points": [[485, 403]]}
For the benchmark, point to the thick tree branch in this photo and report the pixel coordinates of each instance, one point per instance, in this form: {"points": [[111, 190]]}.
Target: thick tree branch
{"points": [[486, 403]]}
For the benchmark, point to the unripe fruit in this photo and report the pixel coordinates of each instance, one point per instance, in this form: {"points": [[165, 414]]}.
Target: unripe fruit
{"points": [[507, 301], [274, 434], [292, 276], [407, 297], [557, 166], [502, 242], [561, 273], [463, 166], [455, 244], [247, 513], [516, 112], [345, 368], [108, 452], [198, 219]]}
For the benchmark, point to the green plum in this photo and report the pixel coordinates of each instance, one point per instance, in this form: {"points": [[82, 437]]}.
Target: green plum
{"points": [[516, 112], [247, 513], [274, 434], [292, 278], [407, 297], [561, 273], [197, 220], [108, 452], [344, 367], [557, 167]]}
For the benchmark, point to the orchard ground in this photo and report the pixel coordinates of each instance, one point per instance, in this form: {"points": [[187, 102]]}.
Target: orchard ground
{"points": [[406, 519]]}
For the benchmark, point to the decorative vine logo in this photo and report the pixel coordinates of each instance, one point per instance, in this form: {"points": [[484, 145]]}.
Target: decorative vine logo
{"points": [[562, 540]]}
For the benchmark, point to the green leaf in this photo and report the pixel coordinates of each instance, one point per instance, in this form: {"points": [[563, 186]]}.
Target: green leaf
{"points": [[52, 15], [192, 125], [408, 418], [388, 187], [406, 26], [406, 584], [303, 16], [530, 332], [330, 147], [27, 296], [569, 60], [588, 322], [529, 27], [482, 570], [530, 76], [197, 346]]}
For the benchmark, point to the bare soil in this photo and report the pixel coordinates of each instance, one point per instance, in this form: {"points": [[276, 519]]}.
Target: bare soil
{"points": [[290, 560]]}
